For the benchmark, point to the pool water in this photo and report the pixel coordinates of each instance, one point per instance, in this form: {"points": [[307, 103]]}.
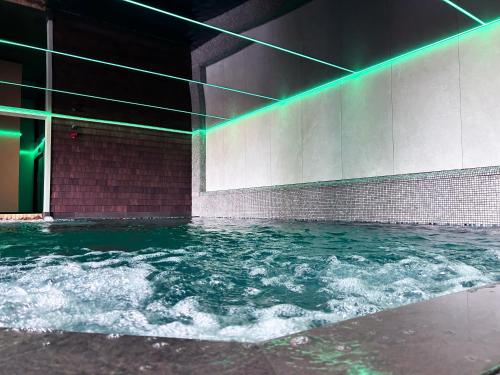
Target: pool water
{"points": [[244, 280]]}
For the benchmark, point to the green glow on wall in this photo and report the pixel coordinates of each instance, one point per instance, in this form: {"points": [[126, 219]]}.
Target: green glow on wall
{"points": [[10, 133], [241, 36], [78, 57], [460, 9], [39, 148], [34, 153], [111, 100], [359, 74], [44, 114], [27, 166]]}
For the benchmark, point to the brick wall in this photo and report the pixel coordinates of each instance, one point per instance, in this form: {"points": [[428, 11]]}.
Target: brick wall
{"points": [[111, 171]]}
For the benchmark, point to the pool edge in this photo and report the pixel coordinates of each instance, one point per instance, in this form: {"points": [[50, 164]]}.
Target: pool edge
{"points": [[455, 333]]}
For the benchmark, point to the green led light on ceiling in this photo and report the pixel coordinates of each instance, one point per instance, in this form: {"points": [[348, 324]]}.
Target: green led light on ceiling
{"points": [[10, 133], [241, 36], [38, 113], [296, 97], [111, 100], [340, 81], [460, 9], [78, 57]]}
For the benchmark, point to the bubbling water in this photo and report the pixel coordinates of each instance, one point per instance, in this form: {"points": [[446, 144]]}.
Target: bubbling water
{"points": [[242, 280]]}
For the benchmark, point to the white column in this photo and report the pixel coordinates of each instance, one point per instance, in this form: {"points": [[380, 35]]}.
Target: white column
{"points": [[48, 122]]}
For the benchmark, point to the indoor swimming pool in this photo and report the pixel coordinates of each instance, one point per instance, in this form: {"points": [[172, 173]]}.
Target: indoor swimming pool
{"points": [[216, 279]]}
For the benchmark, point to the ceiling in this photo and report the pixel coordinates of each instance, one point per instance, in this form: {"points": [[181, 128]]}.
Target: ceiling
{"points": [[13, 21], [354, 34], [145, 22], [351, 33]]}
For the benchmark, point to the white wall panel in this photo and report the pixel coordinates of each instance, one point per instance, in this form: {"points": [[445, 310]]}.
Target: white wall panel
{"points": [[321, 137], [480, 83], [426, 112], [367, 126]]}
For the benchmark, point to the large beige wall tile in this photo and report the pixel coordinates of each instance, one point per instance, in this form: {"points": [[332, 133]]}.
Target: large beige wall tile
{"points": [[426, 112], [367, 126]]}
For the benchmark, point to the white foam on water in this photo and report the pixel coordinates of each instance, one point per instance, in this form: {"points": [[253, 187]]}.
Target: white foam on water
{"points": [[256, 271], [286, 281], [302, 270], [496, 253], [252, 291], [69, 295], [195, 294]]}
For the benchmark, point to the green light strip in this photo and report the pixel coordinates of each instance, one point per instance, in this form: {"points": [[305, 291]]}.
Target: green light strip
{"points": [[34, 153], [38, 148], [342, 80], [10, 133], [23, 111], [119, 123], [35, 112], [111, 100], [236, 35], [460, 9], [21, 45]]}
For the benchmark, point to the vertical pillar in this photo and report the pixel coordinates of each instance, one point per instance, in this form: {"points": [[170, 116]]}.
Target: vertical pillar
{"points": [[198, 141], [48, 121]]}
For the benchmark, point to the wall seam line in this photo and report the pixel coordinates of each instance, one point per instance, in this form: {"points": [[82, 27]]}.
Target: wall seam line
{"points": [[245, 174], [301, 142], [390, 7], [222, 182], [270, 152], [460, 103], [392, 126], [341, 135]]}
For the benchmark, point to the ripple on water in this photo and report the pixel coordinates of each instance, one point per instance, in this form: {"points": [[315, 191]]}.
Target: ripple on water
{"points": [[227, 280]]}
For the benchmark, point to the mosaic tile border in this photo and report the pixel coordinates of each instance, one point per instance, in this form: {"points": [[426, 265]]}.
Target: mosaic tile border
{"points": [[454, 173]]}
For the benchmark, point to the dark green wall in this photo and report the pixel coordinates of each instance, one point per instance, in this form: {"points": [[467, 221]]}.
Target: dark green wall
{"points": [[30, 167], [26, 166]]}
